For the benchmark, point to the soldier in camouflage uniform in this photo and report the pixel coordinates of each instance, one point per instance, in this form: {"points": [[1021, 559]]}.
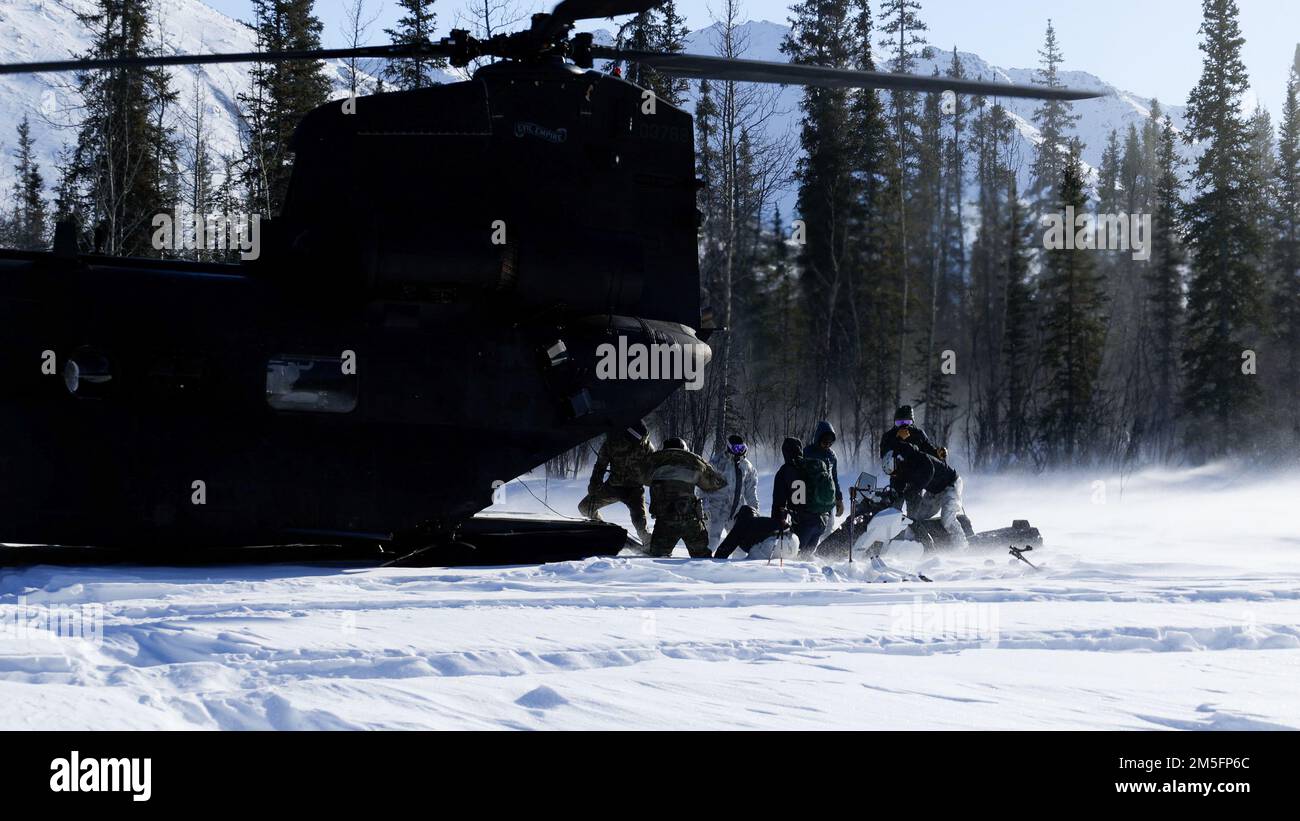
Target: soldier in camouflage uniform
{"points": [[674, 475], [623, 454]]}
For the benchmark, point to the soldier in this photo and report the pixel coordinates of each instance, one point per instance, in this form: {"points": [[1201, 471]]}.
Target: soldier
{"points": [[674, 475], [904, 418], [742, 489], [906, 430], [930, 486], [760, 537], [807, 488], [625, 454], [821, 448]]}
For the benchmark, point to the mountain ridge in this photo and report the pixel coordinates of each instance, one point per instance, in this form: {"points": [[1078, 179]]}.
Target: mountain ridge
{"points": [[1115, 111], [45, 29]]}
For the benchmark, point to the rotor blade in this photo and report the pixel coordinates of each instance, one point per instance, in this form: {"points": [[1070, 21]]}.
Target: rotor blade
{"points": [[571, 10], [555, 24], [696, 66], [386, 52]]}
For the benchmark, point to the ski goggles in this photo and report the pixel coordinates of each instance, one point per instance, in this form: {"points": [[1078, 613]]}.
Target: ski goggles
{"points": [[738, 449], [902, 423]]}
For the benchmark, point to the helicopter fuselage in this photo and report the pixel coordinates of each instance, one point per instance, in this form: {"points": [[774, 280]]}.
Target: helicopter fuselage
{"points": [[420, 328]]}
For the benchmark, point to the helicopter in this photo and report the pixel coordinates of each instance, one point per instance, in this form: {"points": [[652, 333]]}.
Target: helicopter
{"points": [[420, 326]]}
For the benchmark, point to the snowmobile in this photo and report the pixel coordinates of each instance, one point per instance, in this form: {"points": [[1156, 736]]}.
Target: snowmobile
{"points": [[876, 526]]}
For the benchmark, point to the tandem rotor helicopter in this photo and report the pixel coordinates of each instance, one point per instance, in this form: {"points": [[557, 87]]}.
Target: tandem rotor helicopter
{"points": [[384, 364]]}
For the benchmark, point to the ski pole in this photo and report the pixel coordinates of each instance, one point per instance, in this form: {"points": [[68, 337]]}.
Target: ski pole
{"points": [[1019, 553], [853, 504]]}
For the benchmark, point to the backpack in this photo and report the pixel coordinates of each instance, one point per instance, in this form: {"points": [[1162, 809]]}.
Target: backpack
{"points": [[819, 485]]}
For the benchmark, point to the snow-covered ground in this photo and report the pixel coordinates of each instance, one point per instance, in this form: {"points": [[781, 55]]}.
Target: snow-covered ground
{"points": [[1172, 602]]}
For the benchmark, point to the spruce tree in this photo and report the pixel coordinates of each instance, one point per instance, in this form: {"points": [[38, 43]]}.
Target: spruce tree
{"points": [[638, 34], [929, 217], [124, 148], [1128, 343], [670, 37], [1151, 130], [867, 338], [1108, 185], [69, 199], [1223, 295], [777, 336], [200, 194], [282, 93], [28, 227], [1286, 248], [821, 33], [950, 288], [1074, 333], [869, 131], [1165, 290], [1018, 338], [658, 29], [991, 131], [1261, 176], [414, 28], [708, 170], [1131, 173], [1054, 120], [954, 187], [902, 36]]}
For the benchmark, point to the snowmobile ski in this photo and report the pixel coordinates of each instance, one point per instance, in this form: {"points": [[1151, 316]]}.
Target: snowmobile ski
{"points": [[1019, 553], [878, 565]]}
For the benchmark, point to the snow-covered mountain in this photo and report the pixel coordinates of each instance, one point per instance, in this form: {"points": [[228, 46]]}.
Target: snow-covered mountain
{"points": [[46, 29], [1097, 118], [50, 29]]}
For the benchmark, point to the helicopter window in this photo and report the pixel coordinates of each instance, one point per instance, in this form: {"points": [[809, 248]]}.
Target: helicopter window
{"points": [[319, 384]]}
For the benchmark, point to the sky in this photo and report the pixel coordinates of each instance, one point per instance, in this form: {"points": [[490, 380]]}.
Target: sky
{"points": [[1144, 46]]}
